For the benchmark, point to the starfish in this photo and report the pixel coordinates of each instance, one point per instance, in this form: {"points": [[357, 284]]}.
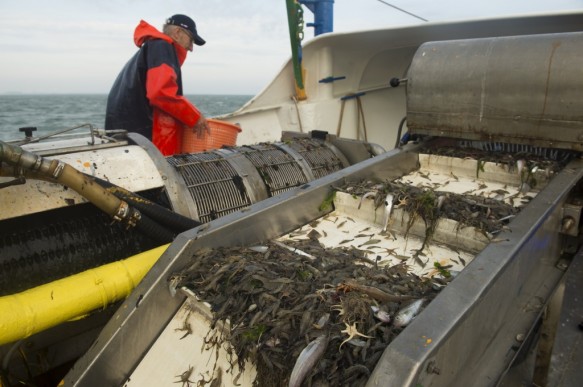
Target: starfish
{"points": [[351, 331], [184, 377], [338, 308], [403, 202]]}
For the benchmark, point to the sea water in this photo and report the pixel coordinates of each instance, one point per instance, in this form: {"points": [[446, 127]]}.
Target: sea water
{"points": [[55, 112]]}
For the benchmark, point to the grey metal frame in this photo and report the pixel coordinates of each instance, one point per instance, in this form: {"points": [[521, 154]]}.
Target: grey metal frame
{"points": [[176, 189], [469, 334], [252, 181]]}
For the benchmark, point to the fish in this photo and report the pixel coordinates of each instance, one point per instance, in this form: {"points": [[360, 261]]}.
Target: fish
{"points": [[370, 242], [388, 208], [322, 321], [366, 195], [308, 358], [405, 315], [293, 249], [520, 165], [381, 314], [364, 235], [259, 249], [440, 201], [376, 293]]}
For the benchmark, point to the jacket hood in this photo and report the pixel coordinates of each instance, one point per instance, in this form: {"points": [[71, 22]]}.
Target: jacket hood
{"points": [[145, 31]]}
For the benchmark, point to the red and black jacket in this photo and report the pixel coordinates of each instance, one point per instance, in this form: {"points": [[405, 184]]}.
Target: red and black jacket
{"points": [[147, 95]]}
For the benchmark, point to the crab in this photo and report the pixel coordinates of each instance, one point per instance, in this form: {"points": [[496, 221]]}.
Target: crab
{"points": [[344, 287]]}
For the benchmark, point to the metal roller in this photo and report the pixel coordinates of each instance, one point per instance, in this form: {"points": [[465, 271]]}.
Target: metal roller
{"points": [[226, 180], [518, 89]]}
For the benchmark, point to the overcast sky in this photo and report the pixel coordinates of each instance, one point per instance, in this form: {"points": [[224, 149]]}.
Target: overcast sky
{"points": [[77, 46]]}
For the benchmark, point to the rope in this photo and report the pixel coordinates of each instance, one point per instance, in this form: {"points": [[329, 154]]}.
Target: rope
{"points": [[340, 119], [359, 113], [298, 113], [402, 10]]}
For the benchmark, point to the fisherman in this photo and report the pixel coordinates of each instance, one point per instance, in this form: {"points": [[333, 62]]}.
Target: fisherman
{"points": [[147, 96]]}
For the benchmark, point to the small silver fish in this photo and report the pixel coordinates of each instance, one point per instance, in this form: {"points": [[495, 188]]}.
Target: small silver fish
{"points": [[366, 195], [440, 200], [307, 360], [388, 208], [408, 313], [370, 242], [520, 165], [322, 321], [173, 284], [259, 249], [383, 316]]}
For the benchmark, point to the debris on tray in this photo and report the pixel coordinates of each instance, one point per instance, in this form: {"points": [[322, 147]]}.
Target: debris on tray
{"points": [[319, 305], [328, 312]]}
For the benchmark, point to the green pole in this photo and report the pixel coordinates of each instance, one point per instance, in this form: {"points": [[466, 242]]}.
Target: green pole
{"points": [[296, 23]]}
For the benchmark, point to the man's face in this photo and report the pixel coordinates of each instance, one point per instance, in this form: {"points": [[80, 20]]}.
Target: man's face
{"points": [[184, 38]]}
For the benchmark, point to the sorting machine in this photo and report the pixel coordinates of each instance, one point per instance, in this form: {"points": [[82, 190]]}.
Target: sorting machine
{"points": [[510, 95]]}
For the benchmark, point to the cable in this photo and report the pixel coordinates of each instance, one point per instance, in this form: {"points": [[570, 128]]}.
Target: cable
{"points": [[400, 131], [156, 212], [402, 10]]}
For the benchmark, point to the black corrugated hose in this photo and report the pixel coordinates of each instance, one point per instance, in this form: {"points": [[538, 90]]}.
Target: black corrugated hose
{"points": [[155, 216]]}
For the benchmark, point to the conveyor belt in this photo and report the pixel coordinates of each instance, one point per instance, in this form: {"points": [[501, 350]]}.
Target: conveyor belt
{"points": [[517, 263]]}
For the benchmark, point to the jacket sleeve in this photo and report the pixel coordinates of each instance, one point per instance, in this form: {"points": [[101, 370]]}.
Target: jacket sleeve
{"points": [[162, 89]]}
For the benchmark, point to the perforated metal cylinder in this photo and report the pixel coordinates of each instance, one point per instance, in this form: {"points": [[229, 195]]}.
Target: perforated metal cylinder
{"points": [[227, 180]]}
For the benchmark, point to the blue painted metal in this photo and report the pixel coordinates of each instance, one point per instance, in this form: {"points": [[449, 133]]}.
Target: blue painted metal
{"points": [[331, 79], [323, 11], [352, 96]]}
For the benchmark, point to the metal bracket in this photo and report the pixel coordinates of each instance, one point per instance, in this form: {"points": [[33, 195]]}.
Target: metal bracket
{"points": [[571, 216]]}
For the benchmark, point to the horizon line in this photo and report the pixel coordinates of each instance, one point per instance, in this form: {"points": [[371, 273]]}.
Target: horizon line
{"points": [[17, 93]]}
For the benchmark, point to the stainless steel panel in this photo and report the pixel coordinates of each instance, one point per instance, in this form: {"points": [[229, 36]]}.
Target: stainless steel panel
{"points": [[175, 187], [468, 334], [518, 89]]}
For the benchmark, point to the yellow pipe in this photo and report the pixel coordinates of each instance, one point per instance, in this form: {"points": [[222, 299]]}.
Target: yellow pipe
{"points": [[35, 166], [34, 310], [87, 187]]}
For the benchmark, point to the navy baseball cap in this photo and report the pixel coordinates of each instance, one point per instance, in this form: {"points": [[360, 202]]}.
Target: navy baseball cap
{"points": [[188, 24]]}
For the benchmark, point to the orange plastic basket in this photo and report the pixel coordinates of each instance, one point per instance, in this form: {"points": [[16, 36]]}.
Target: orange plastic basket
{"points": [[221, 133]]}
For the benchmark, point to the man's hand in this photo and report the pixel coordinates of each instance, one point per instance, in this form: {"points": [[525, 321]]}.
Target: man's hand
{"points": [[201, 127]]}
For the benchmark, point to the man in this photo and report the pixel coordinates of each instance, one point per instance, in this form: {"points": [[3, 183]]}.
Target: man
{"points": [[147, 95]]}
